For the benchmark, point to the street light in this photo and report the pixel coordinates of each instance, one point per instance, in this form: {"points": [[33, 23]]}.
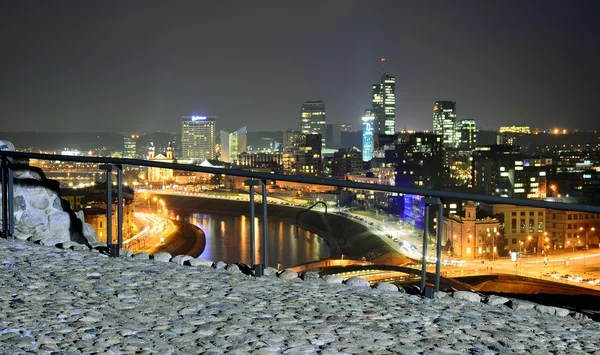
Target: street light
{"points": [[520, 247], [568, 244], [587, 235]]}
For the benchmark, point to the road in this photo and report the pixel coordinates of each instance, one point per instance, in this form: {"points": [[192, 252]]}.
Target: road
{"points": [[156, 230], [405, 242]]}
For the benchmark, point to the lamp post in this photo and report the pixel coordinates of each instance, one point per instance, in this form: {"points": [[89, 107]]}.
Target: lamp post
{"points": [[529, 238], [520, 247], [569, 244], [587, 235]]}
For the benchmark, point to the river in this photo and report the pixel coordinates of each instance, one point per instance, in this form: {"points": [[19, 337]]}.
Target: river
{"points": [[228, 239]]}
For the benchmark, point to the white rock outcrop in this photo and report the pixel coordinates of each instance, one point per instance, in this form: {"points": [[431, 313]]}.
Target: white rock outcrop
{"points": [[39, 215]]}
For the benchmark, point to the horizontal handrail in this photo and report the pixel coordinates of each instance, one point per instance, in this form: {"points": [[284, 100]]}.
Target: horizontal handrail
{"points": [[309, 180]]}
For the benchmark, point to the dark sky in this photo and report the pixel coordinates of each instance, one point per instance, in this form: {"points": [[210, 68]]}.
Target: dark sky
{"points": [[140, 65]]}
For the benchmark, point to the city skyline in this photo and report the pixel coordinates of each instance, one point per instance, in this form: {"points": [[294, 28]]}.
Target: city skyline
{"points": [[124, 69]]}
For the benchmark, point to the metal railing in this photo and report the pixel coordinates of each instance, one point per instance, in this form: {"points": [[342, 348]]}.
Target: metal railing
{"points": [[432, 197]]}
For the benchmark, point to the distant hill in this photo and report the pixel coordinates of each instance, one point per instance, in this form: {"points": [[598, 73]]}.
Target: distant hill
{"points": [[56, 141]]}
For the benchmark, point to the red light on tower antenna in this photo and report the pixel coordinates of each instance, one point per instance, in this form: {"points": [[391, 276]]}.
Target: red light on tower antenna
{"points": [[383, 59]]}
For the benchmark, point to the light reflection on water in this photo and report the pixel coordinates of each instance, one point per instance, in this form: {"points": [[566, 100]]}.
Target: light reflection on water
{"points": [[228, 239]]}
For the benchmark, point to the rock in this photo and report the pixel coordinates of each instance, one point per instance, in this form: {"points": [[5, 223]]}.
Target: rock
{"points": [[7, 145], [59, 220], [162, 257], [467, 296], [580, 316], [287, 275], [332, 279], [520, 305], [439, 295], [309, 276], [561, 312], [181, 259], [199, 262], [97, 245], [494, 300], [38, 198], [142, 255], [233, 268], [89, 233], [270, 272], [125, 253], [51, 238], [32, 218], [67, 245], [356, 281], [386, 287], [220, 265]]}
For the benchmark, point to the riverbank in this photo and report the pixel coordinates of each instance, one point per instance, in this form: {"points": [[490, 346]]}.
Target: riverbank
{"points": [[63, 301], [343, 236], [188, 239]]}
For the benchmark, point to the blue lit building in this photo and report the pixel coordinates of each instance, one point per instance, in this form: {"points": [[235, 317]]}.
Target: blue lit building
{"points": [[368, 142]]}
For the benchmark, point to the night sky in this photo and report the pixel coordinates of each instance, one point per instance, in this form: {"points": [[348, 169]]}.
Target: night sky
{"points": [[140, 65]]}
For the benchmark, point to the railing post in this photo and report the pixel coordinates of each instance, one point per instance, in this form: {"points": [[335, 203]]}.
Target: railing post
{"points": [[258, 268], [424, 258], [429, 201], [8, 224], [265, 232], [113, 250], [438, 252], [119, 207]]}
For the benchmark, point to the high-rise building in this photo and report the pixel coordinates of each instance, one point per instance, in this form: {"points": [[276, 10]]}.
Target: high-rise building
{"points": [[130, 146], [224, 146], [384, 103], [368, 143], [346, 161], [466, 134], [233, 144], [313, 119], [444, 122], [198, 138], [333, 136]]}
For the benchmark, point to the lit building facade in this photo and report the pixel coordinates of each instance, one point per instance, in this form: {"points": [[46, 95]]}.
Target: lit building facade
{"points": [[515, 129], [346, 161], [524, 227], [198, 138], [368, 140], [444, 122], [466, 134], [233, 144], [130, 146], [470, 237], [569, 229], [384, 104], [313, 119], [160, 175], [309, 161], [494, 167]]}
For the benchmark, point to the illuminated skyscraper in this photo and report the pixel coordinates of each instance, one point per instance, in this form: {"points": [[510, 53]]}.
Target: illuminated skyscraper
{"points": [[313, 119], [384, 103], [236, 144], [130, 146], [444, 122], [368, 143], [198, 138], [466, 134]]}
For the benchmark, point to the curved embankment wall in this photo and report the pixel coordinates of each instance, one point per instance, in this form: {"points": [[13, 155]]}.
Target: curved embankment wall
{"points": [[189, 240], [344, 236]]}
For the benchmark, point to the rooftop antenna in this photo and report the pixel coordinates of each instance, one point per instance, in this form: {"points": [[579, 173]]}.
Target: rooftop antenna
{"points": [[382, 68]]}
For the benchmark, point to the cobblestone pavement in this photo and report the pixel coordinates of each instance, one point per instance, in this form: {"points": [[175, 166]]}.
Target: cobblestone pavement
{"points": [[73, 302]]}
